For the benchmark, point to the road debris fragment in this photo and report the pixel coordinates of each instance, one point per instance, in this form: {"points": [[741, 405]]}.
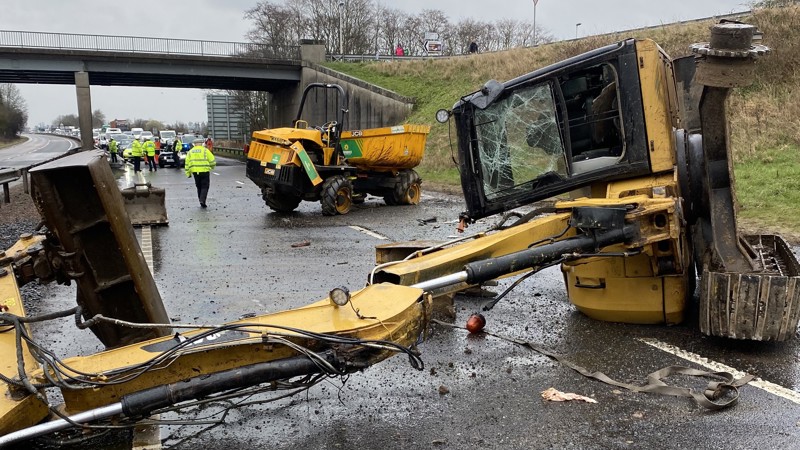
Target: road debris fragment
{"points": [[554, 395]]}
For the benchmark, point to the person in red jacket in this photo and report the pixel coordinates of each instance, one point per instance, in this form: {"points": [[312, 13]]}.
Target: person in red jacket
{"points": [[399, 50]]}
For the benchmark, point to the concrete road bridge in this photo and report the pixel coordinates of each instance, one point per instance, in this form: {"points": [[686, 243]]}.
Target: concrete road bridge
{"points": [[86, 60]]}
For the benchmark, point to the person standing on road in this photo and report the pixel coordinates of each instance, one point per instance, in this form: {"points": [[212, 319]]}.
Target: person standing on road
{"points": [[177, 145], [210, 144], [113, 148], [150, 148], [137, 151], [199, 162]]}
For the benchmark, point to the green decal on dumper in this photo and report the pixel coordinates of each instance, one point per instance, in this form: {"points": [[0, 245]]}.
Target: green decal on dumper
{"points": [[351, 148], [276, 158], [311, 171]]}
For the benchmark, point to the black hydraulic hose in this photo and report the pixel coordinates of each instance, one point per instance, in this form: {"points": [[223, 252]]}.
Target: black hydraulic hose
{"points": [[144, 402], [489, 269]]}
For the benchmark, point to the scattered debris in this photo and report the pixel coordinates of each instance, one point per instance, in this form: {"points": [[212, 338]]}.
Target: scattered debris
{"points": [[475, 323], [554, 395], [426, 221], [301, 244], [638, 415], [444, 390]]}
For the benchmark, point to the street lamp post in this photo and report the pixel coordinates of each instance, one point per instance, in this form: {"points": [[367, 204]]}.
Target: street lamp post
{"points": [[535, 2], [576, 29], [341, 42]]}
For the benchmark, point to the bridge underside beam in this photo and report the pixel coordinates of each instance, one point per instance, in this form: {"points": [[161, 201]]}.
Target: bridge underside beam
{"points": [[147, 80]]}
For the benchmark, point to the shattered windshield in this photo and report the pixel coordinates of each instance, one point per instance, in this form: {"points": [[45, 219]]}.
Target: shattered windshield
{"points": [[519, 142]]}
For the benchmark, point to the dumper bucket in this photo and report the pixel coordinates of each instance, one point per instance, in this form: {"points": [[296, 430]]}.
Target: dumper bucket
{"points": [[145, 204]]}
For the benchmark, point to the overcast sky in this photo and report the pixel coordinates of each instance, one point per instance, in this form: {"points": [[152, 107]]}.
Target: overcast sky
{"points": [[223, 20]]}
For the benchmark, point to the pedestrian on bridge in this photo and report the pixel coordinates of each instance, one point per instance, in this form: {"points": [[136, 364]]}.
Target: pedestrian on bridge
{"points": [[199, 162], [137, 151], [150, 149], [113, 148]]}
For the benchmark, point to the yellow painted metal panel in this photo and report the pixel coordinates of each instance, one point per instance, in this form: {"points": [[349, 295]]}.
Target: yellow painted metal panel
{"points": [[643, 300], [18, 410], [287, 135], [385, 312], [399, 147], [653, 67], [453, 259]]}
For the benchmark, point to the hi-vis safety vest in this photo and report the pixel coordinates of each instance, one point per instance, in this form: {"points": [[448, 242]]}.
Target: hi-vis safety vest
{"points": [[136, 149], [150, 147], [199, 159], [112, 146]]}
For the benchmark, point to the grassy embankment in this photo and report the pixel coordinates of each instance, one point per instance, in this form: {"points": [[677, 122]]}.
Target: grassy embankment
{"points": [[9, 142], [765, 118]]}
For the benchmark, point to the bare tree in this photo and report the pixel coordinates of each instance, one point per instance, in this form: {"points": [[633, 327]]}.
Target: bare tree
{"points": [[68, 120], [13, 111], [365, 27], [98, 118], [391, 26], [275, 24]]}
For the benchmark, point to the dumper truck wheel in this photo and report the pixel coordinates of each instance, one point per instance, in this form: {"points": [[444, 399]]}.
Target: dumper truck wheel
{"points": [[281, 203], [407, 191], [337, 196]]}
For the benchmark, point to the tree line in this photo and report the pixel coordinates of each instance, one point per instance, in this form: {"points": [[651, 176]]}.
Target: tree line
{"points": [[13, 112], [370, 28]]}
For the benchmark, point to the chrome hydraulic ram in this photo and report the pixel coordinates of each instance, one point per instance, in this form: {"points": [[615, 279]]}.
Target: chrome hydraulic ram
{"points": [[142, 403], [488, 269]]}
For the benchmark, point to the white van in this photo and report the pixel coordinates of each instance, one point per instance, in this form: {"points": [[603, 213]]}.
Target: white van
{"points": [[137, 132]]}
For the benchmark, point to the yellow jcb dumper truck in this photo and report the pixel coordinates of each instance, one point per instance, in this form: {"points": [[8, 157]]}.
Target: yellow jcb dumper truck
{"points": [[335, 167]]}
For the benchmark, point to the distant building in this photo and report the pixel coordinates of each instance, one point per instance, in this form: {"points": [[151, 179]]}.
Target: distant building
{"points": [[122, 124]]}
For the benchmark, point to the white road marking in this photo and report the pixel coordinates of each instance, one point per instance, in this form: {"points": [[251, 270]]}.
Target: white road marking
{"points": [[215, 173], [239, 182], [772, 388], [368, 232], [147, 247], [147, 437]]}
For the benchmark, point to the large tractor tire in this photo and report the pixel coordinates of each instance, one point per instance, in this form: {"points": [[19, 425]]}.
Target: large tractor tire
{"points": [[281, 203], [337, 196], [407, 191]]}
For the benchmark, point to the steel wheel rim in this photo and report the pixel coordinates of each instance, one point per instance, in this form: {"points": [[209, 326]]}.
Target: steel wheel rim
{"points": [[343, 200], [414, 193]]}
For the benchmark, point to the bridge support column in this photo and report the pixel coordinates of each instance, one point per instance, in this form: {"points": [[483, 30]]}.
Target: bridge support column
{"points": [[84, 109]]}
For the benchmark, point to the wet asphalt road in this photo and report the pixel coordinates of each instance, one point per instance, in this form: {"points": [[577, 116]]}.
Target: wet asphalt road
{"points": [[235, 258], [37, 149]]}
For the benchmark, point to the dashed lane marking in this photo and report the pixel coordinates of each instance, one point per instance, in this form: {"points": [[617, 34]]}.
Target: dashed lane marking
{"points": [[147, 437], [368, 232], [147, 247], [772, 388], [239, 182]]}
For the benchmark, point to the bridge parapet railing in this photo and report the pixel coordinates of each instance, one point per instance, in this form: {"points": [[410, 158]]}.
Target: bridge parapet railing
{"points": [[134, 44]]}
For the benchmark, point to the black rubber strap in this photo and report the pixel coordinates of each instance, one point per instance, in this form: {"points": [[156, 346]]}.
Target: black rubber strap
{"points": [[726, 384]]}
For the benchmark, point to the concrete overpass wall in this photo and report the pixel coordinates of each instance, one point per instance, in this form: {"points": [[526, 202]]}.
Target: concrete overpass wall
{"points": [[370, 106]]}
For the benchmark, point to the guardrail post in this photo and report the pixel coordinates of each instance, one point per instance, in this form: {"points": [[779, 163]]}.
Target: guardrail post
{"points": [[25, 186]]}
